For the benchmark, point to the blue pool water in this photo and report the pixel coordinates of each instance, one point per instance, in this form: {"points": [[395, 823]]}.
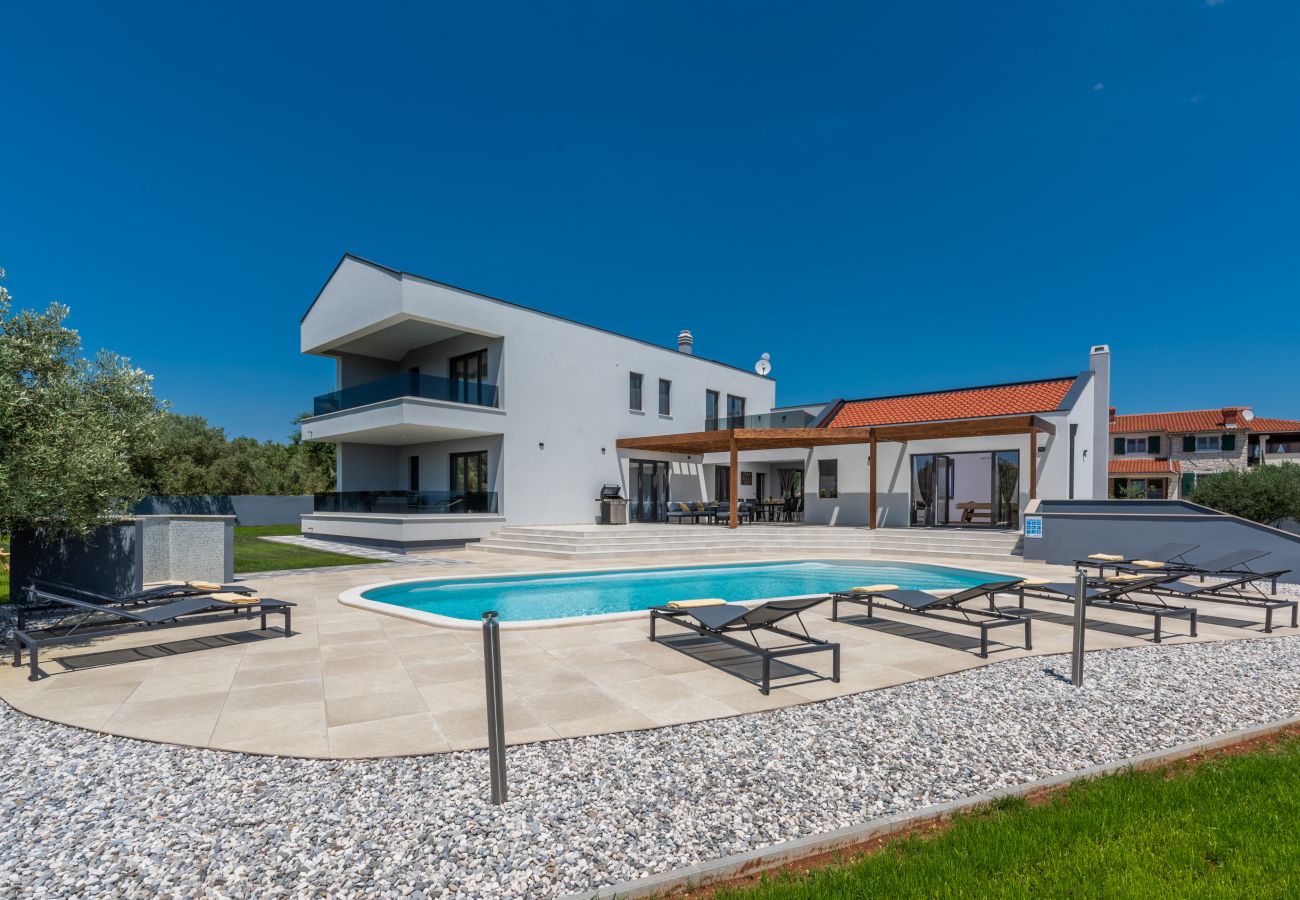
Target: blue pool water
{"points": [[559, 596]]}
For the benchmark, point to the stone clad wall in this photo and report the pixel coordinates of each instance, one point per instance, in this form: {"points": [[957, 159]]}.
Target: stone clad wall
{"points": [[187, 548]]}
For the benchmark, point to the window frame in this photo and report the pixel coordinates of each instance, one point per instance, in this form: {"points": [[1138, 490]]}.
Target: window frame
{"points": [[1215, 440], [828, 468], [635, 392], [711, 421], [665, 397], [732, 418]]}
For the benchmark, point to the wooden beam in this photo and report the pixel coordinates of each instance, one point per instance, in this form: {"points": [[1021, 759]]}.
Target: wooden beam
{"points": [[735, 483], [1033, 464], [872, 493]]}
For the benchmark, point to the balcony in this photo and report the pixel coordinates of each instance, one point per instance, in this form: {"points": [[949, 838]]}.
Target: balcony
{"points": [[408, 503], [794, 418], [407, 384]]}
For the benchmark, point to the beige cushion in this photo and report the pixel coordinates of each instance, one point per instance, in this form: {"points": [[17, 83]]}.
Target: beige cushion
{"points": [[689, 604], [1148, 564], [1035, 582], [231, 597], [203, 585], [1109, 557], [1129, 577], [875, 588]]}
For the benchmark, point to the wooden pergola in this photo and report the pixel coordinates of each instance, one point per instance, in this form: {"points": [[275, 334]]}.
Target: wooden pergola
{"points": [[733, 440]]}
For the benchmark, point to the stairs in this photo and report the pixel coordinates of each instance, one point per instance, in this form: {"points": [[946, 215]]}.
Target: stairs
{"points": [[811, 541]]}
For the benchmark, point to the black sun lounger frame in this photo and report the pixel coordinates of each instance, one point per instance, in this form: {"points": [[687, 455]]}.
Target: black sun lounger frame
{"points": [[184, 611], [1108, 595], [979, 618], [807, 643], [1234, 596]]}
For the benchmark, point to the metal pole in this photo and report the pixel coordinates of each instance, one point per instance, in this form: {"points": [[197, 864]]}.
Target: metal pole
{"points": [[496, 721], [1080, 605]]}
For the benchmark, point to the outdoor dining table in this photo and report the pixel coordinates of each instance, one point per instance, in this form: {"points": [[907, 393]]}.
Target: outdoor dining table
{"points": [[771, 509]]}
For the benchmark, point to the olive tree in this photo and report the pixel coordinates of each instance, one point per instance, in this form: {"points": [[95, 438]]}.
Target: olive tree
{"points": [[69, 426], [1266, 494]]}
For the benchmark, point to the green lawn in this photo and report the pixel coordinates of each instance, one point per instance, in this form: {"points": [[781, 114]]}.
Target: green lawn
{"points": [[255, 555], [1225, 828]]}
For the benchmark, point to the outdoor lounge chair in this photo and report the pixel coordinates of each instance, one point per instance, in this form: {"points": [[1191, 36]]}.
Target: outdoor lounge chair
{"points": [[1233, 592], [1163, 555], [104, 620], [1227, 565], [152, 594], [923, 604], [1113, 595], [720, 621]]}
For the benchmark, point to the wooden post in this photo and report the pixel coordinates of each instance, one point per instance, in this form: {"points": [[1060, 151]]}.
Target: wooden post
{"points": [[1033, 464], [735, 483], [872, 467]]}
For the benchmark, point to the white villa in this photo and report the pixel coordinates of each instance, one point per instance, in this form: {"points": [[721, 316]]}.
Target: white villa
{"points": [[455, 414]]}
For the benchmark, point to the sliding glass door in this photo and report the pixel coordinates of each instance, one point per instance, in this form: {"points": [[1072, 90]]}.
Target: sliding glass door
{"points": [[971, 488], [649, 490]]}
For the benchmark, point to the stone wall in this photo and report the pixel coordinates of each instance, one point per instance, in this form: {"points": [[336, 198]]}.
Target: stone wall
{"points": [[187, 548]]}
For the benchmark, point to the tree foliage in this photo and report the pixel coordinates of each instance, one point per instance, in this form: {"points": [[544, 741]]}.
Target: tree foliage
{"points": [[69, 427], [1267, 494], [188, 457]]}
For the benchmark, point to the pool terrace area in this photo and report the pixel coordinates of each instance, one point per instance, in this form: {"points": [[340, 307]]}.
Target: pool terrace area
{"points": [[352, 683]]}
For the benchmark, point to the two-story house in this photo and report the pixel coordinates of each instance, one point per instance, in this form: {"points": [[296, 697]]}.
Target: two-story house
{"points": [[1160, 456]]}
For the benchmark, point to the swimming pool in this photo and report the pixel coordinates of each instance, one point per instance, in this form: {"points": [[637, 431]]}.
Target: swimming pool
{"points": [[542, 599]]}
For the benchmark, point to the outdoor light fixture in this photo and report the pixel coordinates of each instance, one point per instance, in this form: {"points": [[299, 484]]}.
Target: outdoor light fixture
{"points": [[541, 445]]}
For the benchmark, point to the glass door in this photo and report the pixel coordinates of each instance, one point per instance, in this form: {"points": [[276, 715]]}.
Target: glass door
{"points": [[1006, 489], [649, 483], [923, 489], [944, 472], [468, 373]]}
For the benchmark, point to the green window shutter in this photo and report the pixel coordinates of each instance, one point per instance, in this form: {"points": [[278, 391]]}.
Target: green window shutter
{"points": [[1153, 445], [1189, 443], [1189, 482], [1229, 442], [1119, 446]]}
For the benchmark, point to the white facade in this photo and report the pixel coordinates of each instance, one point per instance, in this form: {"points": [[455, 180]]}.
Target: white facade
{"points": [[562, 400]]}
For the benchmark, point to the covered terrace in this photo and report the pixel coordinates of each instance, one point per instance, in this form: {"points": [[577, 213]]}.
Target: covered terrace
{"points": [[735, 440]]}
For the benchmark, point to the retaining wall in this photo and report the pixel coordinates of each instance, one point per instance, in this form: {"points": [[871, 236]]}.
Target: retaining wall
{"points": [[248, 509]]}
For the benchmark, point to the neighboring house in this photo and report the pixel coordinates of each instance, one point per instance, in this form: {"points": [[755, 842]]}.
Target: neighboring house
{"points": [[1160, 456], [455, 413]]}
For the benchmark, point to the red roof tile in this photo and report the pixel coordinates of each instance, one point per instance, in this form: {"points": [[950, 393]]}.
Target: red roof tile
{"points": [[966, 403], [1145, 467], [1199, 420]]}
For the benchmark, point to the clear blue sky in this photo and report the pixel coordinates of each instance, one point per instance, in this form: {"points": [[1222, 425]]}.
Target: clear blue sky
{"points": [[885, 197]]}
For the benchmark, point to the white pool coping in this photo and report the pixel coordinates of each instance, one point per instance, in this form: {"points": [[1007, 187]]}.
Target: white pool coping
{"points": [[355, 598]]}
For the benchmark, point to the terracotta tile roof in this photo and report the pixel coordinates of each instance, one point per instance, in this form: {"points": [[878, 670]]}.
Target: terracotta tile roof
{"points": [[965, 403], [1199, 420], [1145, 467], [1273, 426]]}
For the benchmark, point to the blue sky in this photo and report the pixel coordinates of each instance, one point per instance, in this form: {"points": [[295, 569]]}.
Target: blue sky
{"points": [[884, 197]]}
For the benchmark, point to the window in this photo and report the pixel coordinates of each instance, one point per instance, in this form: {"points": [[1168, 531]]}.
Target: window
{"points": [[665, 397], [415, 474], [468, 374], [1149, 444], [711, 399], [735, 411], [634, 391], [1208, 443], [469, 472], [828, 478]]}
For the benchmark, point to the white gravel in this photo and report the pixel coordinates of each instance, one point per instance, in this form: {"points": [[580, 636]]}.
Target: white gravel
{"points": [[93, 815]]}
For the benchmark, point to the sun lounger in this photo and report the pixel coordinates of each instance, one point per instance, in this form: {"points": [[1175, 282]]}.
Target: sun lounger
{"points": [[1153, 559], [1114, 595], [86, 619], [923, 604], [721, 621], [1242, 590], [1230, 565]]}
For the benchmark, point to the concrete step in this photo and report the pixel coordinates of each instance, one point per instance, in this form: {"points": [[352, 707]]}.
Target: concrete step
{"points": [[650, 554]]}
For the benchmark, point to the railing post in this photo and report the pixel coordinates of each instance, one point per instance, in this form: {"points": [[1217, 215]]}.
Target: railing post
{"points": [[1080, 607], [496, 722]]}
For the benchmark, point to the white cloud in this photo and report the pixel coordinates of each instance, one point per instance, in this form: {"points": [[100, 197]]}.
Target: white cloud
{"points": [[1099, 86]]}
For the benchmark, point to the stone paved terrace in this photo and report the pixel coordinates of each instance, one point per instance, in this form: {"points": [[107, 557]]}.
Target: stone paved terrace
{"points": [[355, 684]]}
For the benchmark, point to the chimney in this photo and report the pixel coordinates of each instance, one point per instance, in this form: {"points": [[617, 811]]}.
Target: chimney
{"points": [[684, 341], [1112, 415], [1099, 451]]}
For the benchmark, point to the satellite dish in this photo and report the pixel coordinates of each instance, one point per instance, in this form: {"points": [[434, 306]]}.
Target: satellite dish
{"points": [[1248, 415], [764, 364]]}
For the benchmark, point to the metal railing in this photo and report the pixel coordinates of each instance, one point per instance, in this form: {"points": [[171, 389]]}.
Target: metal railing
{"points": [[795, 418], [407, 503], [407, 384]]}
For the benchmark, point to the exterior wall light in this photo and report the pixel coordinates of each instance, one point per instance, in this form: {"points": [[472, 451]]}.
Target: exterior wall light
{"points": [[541, 445]]}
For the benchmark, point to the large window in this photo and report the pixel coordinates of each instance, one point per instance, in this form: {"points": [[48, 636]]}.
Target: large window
{"points": [[711, 400], [469, 472], [468, 375], [735, 411], [1209, 443], [665, 397], [634, 380], [828, 478]]}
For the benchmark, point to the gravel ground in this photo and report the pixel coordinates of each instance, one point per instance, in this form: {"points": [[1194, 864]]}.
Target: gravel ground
{"points": [[93, 815]]}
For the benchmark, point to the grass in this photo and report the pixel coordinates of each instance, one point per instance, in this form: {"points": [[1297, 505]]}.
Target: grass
{"points": [[252, 554], [1222, 828]]}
